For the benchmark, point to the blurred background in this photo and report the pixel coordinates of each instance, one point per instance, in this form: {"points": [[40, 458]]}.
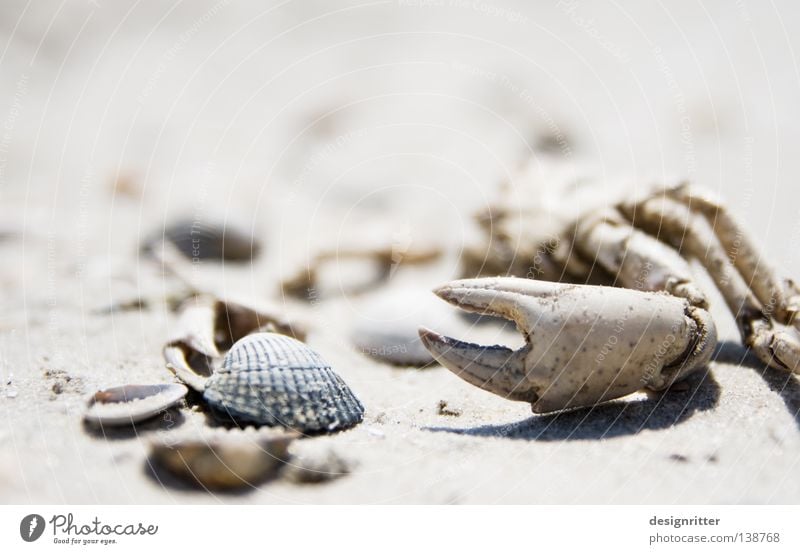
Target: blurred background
{"points": [[282, 115], [320, 124]]}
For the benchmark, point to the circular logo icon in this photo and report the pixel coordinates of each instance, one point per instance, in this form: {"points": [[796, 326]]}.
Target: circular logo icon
{"points": [[31, 527]]}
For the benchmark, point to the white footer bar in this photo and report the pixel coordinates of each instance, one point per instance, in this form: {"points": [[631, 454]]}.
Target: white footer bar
{"points": [[387, 529]]}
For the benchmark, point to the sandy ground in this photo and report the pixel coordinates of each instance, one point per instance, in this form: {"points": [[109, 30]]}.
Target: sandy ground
{"points": [[313, 123]]}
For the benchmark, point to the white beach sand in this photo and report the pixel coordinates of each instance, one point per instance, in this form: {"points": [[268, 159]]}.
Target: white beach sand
{"points": [[311, 122]]}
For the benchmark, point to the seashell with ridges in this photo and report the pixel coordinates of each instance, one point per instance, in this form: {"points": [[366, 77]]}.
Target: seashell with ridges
{"points": [[275, 380]]}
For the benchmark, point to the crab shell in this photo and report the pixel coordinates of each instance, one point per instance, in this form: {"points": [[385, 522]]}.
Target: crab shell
{"points": [[584, 344], [531, 222]]}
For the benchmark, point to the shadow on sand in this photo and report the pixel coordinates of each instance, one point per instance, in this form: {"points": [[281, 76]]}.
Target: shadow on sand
{"points": [[657, 411], [784, 384], [612, 419], [166, 420]]}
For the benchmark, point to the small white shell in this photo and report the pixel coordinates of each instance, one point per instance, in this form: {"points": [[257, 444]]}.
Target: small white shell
{"points": [[130, 404]]}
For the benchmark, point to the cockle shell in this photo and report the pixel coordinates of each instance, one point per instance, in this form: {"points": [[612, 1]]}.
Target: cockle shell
{"points": [[275, 380], [130, 404]]}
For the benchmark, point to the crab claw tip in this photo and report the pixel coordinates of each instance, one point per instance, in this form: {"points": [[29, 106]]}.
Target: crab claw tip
{"points": [[497, 369], [429, 337], [447, 293]]}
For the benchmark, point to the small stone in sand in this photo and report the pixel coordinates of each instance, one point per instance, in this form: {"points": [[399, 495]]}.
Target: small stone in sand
{"points": [[445, 410]]}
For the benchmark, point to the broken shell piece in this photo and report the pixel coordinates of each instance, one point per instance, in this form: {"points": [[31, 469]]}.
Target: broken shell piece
{"points": [[130, 404], [275, 380], [201, 240], [208, 325], [228, 461], [196, 326], [234, 320]]}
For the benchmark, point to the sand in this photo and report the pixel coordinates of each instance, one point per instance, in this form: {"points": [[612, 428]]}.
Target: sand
{"points": [[318, 124]]}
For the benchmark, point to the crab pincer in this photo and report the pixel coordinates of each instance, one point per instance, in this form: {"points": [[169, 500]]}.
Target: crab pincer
{"points": [[583, 344]]}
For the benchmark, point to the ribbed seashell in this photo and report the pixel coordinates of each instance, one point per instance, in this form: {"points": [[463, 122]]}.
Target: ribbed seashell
{"points": [[275, 380]]}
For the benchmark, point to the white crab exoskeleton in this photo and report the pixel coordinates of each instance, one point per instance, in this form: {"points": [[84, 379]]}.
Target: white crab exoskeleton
{"points": [[585, 344], [641, 244]]}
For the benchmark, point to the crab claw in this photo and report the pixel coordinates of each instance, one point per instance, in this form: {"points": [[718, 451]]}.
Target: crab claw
{"points": [[583, 344]]}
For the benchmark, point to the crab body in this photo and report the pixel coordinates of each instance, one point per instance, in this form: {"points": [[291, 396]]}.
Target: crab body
{"points": [[607, 300]]}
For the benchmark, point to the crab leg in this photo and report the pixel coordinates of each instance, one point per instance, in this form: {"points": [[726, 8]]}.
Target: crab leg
{"points": [[639, 260], [584, 344], [781, 297], [693, 234]]}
